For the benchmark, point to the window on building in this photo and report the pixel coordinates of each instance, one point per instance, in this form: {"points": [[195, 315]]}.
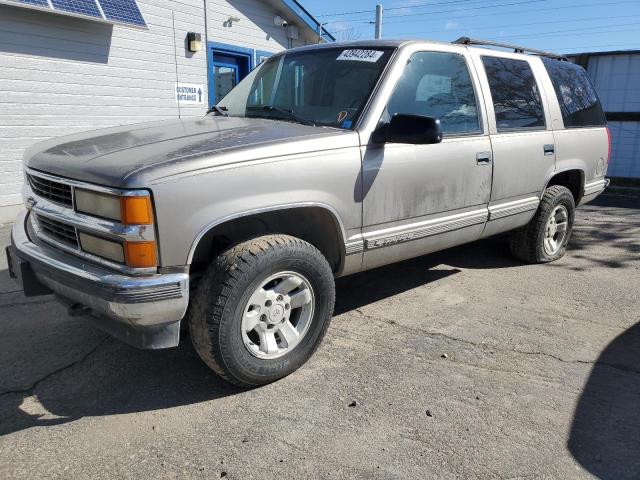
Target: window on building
{"points": [[438, 85], [578, 100], [516, 96]]}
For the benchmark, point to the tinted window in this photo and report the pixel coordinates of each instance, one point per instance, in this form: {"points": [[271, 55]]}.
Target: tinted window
{"points": [[437, 85], [578, 99], [516, 96]]}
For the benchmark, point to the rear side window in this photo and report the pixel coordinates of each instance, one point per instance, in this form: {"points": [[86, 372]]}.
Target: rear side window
{"points": [[515, 93], [578, 99]]}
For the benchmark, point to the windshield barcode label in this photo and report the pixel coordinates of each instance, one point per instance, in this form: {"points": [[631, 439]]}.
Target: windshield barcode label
{"points": [[361, 55]]}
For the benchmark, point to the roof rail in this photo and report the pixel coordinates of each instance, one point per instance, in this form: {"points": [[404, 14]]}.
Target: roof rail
{"points": [[516, 49]]}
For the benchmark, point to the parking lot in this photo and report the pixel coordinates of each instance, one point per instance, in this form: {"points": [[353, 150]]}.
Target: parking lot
{"points": [[462, 364]]}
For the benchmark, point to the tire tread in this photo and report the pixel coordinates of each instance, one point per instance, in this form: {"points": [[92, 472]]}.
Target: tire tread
{"points": [[524, 241], [217, 285]]}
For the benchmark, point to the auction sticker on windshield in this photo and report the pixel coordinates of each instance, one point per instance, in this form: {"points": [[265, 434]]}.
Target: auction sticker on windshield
{"points": [[361, 55]]}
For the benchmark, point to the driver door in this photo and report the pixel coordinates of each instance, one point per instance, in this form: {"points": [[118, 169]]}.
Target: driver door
{"points": [[422, 198]]}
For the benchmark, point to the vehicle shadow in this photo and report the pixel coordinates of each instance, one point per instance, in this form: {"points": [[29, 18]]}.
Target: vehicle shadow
{"points": [[361, 289], [107, 377], [605, 433]]}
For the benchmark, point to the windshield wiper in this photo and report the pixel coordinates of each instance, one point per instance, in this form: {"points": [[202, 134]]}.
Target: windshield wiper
{"points": [[219, 110], [285, 111]]}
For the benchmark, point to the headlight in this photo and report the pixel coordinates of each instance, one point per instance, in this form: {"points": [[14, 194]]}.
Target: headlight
{"points": [[127, 210], [123, 209]]}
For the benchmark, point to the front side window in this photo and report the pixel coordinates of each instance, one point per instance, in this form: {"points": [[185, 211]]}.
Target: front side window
{"points": [[578, 100], [324, 87], [438, 85], [516, 96]]}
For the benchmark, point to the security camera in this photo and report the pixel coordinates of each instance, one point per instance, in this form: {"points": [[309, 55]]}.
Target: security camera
{"points": [[280, 22]]}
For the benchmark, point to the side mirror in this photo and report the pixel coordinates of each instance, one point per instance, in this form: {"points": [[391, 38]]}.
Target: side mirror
{"points": [[411, 129]]}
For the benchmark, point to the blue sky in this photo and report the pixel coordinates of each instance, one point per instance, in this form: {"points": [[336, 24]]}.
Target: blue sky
{"points": [[564, 26]]}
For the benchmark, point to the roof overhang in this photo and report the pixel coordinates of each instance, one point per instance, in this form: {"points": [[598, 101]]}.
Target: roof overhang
{"points": [[309, 20]]}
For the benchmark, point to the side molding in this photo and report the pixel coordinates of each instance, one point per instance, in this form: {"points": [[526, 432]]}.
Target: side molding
{"points": [[428, 228], [595, 186], [513, 208]]}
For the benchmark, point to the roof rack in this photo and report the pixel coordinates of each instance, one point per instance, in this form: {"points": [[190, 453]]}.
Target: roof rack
{"points": [[516, 49]]}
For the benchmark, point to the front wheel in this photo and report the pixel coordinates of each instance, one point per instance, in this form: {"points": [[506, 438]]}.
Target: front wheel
{"points": [[262, 309], [545, 238]]}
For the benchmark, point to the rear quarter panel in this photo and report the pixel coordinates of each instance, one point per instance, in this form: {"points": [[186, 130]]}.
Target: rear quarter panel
{"points": [[583, 149]]}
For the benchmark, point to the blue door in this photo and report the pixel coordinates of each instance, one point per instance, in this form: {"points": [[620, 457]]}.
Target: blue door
{"points": [[227, 66]]}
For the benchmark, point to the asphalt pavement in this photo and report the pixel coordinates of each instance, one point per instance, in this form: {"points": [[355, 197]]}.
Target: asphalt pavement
{"points": [[458, 365]]}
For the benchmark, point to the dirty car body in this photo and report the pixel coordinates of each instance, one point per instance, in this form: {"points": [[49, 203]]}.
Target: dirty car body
{"points": [[330, 173]]}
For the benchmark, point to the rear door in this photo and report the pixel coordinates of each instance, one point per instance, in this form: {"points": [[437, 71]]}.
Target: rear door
{"points": [[521, 136]]}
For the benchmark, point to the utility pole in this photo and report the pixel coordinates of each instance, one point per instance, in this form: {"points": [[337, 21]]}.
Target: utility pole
{"points": [[379, 11]]}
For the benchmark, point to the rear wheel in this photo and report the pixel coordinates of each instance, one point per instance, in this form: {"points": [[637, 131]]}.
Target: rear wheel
{"points": [[262, 309], [545, 238]]}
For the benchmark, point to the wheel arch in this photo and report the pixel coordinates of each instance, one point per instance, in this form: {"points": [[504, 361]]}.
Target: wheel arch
{"points": [[317, 223], [571, 178]]}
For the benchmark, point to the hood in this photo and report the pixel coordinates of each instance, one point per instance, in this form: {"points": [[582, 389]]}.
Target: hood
{"points": [[126, 156]]}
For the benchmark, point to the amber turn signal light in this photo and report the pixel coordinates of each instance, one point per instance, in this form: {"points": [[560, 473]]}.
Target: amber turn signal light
{"points": [[140, 254], [136, 211]]}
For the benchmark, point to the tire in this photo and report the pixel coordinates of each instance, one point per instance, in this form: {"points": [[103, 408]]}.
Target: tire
{"points": [[532, 243], [225, 305]]}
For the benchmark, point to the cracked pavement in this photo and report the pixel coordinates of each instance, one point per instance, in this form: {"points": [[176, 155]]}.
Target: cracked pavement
{"points": [[527, 372]]}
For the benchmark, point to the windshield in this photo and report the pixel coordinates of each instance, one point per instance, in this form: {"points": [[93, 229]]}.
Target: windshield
{"points": [[325, 87]]}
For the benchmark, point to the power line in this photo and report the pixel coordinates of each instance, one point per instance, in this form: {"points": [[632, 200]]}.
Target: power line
{"points": [[423, 5], [582, 5], [496, 5], [580, 32], [514, 25], [344, 13], [590, 30], [589, 46]]}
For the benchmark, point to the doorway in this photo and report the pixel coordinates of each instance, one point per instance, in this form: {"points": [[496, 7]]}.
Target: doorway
{"points": [[227, 66]]}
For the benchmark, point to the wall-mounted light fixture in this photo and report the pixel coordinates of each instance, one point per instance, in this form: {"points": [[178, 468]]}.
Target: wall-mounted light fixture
{"points": [[194, 42], [280, 22]]}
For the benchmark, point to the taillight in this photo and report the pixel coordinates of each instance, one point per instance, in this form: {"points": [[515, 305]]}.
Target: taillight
{"points": [[609, 146]]}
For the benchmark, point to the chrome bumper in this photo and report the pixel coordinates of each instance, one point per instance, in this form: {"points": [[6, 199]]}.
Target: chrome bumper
{"points": [[143, 311]]}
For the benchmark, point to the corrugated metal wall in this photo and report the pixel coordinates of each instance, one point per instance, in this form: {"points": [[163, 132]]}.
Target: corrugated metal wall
{"points": [[61, 75], [617, 80]]}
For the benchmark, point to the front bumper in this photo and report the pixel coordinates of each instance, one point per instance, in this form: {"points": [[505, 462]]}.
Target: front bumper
{"points": [[143, 311]]}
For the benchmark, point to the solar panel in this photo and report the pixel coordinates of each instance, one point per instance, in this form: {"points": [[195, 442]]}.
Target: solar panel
{"points": [[82, 7], [113, 11], [39, 3], [125, 11]]}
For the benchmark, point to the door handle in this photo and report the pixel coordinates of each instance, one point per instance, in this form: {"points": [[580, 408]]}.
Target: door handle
{"points": [[483, 158], [550, 149]]}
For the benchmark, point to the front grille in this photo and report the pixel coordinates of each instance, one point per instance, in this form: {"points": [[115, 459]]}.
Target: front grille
{"points": [[58, 231], [54, 191]]}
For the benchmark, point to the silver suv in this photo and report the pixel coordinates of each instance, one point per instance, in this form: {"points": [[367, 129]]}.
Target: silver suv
{"points": [[324, 161]]}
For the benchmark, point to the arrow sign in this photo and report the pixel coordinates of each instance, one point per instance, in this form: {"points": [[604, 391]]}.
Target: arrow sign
{"points": [[188, 93]]}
